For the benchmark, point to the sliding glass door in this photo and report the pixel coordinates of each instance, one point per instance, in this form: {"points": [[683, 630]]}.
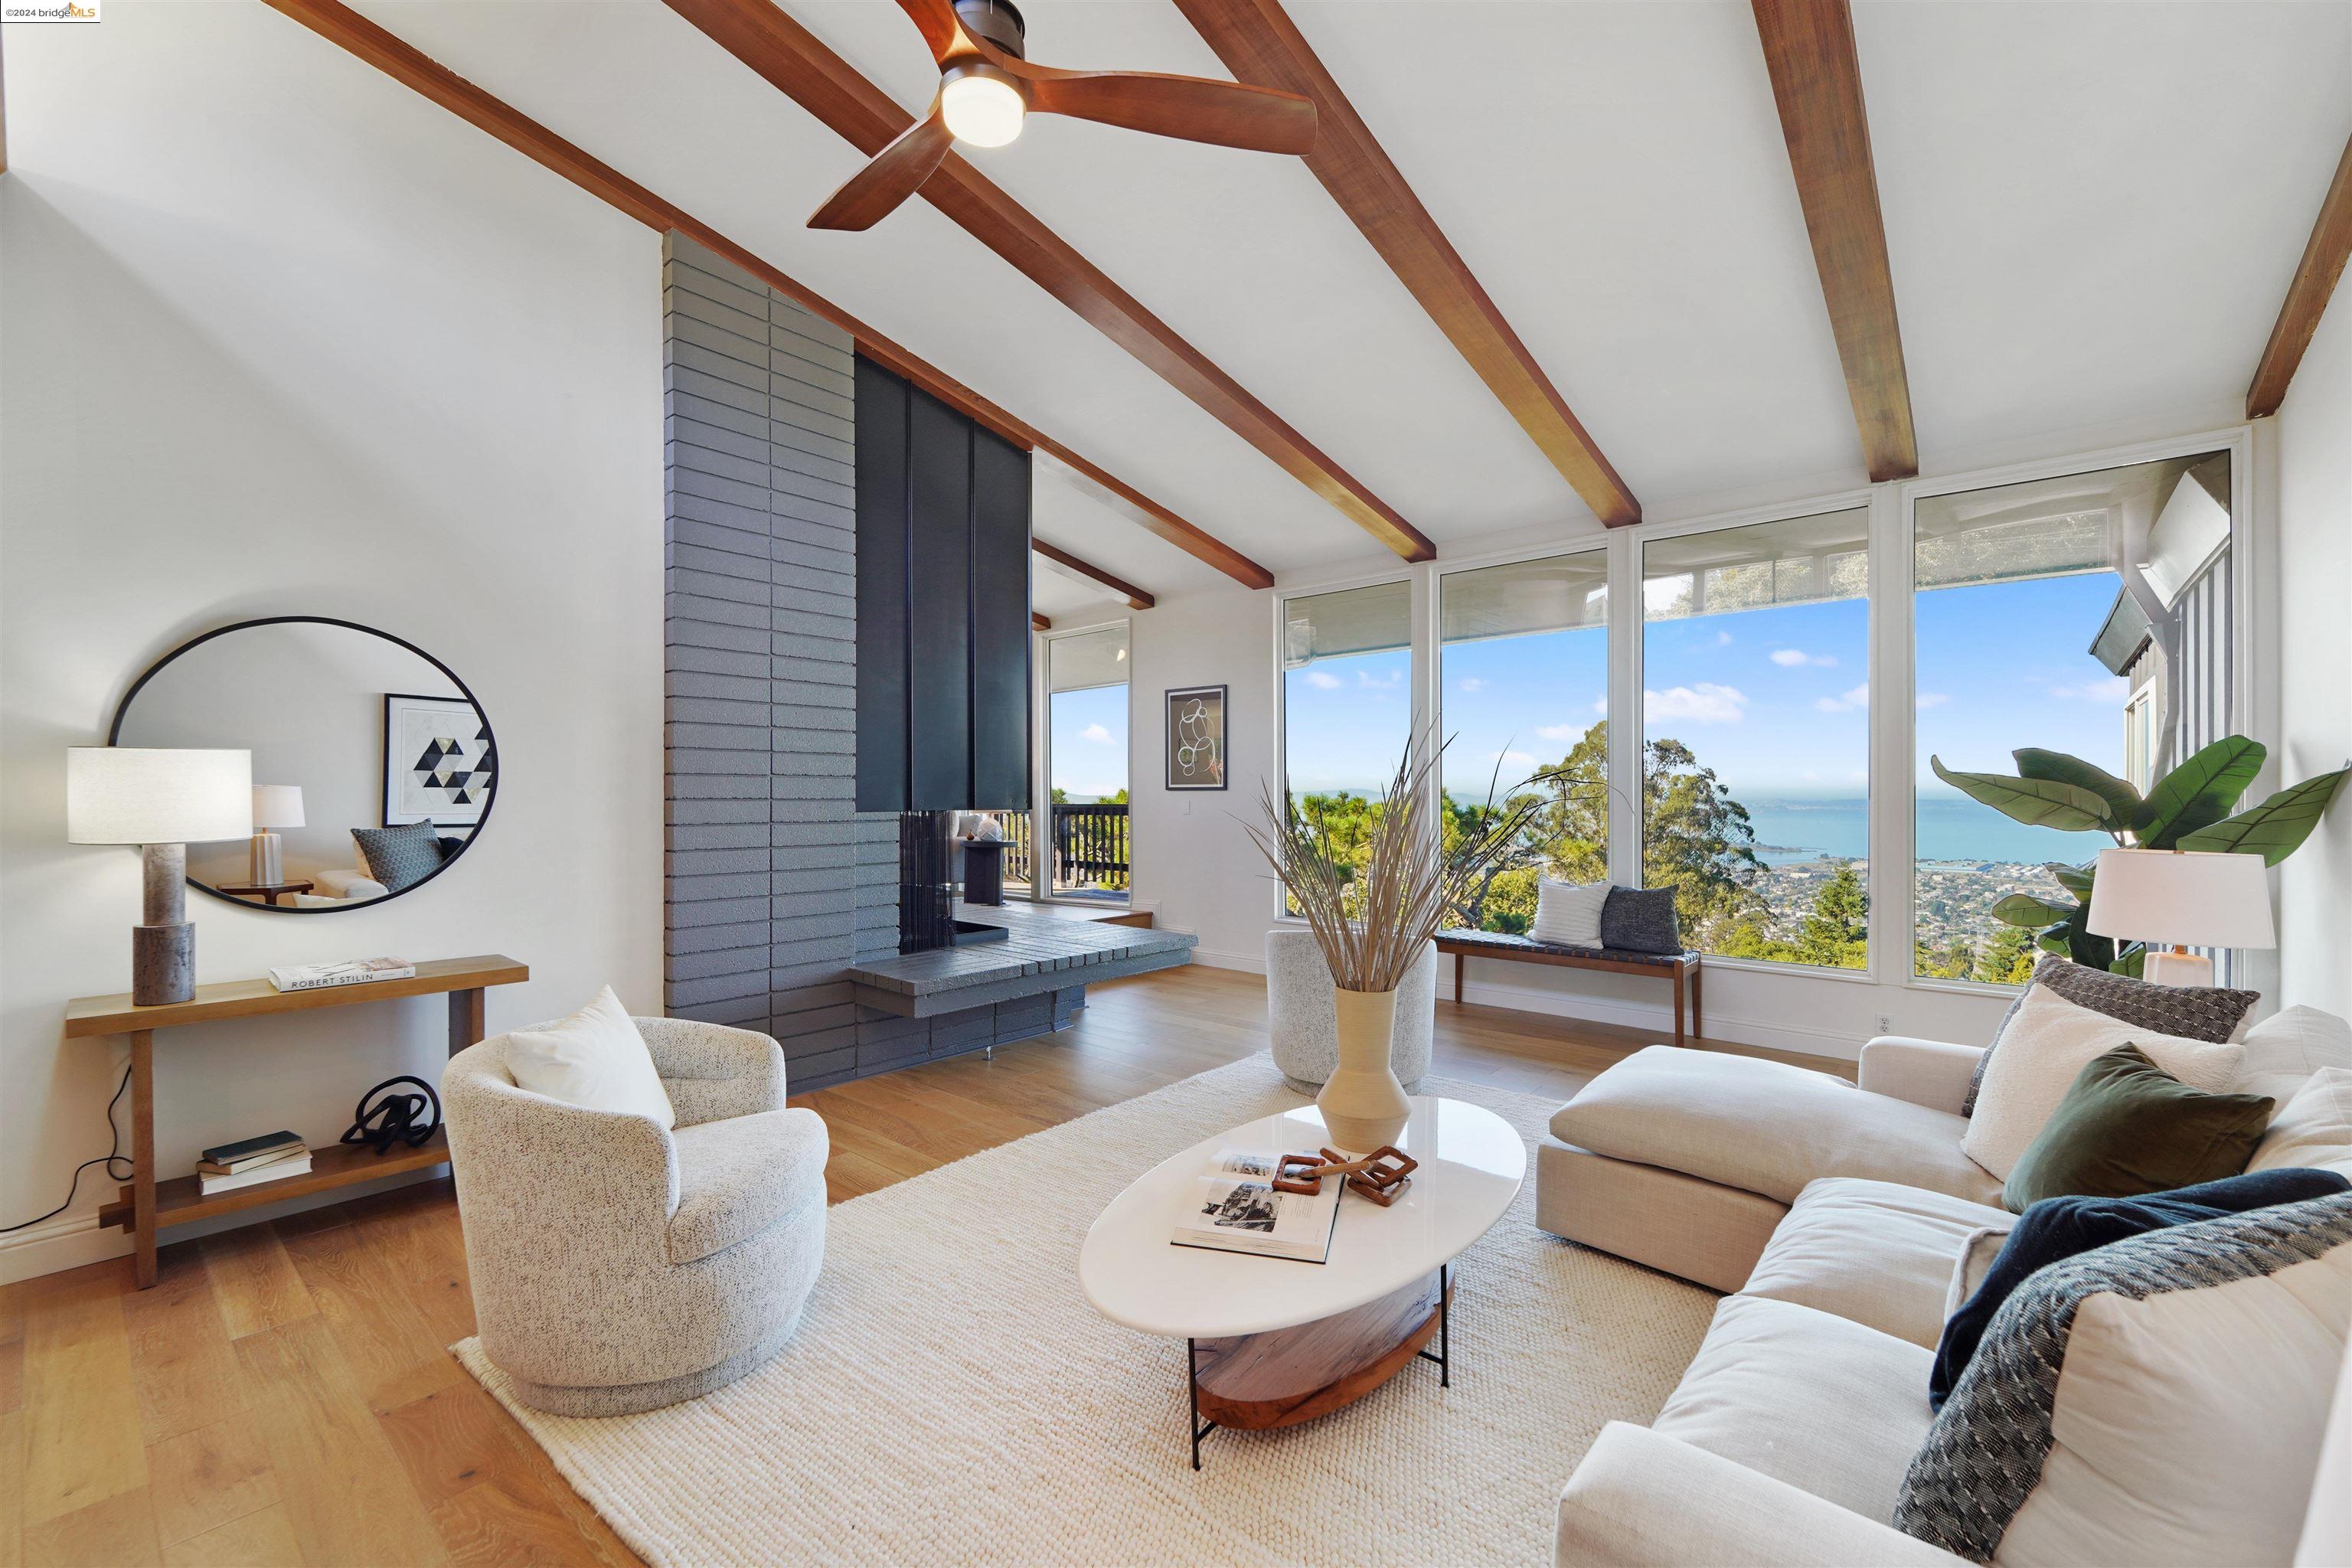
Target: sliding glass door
{"points": [[1086, 851]]}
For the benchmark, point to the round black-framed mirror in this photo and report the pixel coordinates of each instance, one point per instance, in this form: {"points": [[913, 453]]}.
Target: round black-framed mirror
{"points": [[374, 764]]}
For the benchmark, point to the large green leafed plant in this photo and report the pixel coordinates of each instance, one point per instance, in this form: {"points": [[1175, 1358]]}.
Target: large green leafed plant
{"points": [[2189, 808]]}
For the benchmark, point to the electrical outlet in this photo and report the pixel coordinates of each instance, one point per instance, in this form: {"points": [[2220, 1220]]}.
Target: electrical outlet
{"points": [[1886, 1025]]}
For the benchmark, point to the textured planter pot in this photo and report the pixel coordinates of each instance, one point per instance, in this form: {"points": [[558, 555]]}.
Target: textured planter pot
{"points": [[1363, 1105]]}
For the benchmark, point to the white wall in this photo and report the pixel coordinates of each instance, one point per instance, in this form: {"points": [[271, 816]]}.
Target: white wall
{"points": [[2314, 656], [281, 336], [1195, 868]]}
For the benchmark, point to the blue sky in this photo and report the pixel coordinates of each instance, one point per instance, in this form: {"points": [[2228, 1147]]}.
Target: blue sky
{"points": [[1348, 719], [1088, 744], [1775, 700]]}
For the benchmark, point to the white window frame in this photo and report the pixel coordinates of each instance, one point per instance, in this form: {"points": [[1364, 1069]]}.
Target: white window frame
{"points": [[2238, 442], [1625, 753], [1415, 680], [1892, 788]]}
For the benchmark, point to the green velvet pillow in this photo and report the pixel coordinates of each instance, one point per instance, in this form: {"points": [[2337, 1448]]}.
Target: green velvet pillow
{"points": [[2127, 1126]]}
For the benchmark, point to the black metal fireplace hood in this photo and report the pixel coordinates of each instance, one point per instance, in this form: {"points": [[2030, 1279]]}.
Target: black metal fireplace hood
{"points": [[942, 605]]}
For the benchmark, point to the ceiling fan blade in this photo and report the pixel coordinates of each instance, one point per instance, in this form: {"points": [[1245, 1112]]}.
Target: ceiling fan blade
{"points": [[941, 31], [1196, 109], [896, 173]]}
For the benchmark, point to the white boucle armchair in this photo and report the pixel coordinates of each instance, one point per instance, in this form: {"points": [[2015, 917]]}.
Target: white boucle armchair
{"points": [[617, 1267]]}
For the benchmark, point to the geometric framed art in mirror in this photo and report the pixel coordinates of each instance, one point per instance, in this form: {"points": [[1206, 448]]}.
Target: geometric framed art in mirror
{"points": [[374, 767]]}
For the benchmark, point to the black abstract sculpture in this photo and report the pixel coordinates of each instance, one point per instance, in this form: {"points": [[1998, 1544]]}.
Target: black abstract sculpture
{"points": [[385, 1116]]}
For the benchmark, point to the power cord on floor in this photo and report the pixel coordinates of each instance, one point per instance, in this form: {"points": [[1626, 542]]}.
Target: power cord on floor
{"points": [[113, 1156]]}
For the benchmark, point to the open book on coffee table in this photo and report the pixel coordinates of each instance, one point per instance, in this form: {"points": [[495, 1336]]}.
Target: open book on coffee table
{"points": [[1233, 1207]]}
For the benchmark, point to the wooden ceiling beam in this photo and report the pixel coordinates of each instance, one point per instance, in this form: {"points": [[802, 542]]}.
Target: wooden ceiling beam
{"points": [[798, 64], [1038, 623], [1262, 46], [342, 25], [1136, 597], [2306, 297], [1816, 72]]}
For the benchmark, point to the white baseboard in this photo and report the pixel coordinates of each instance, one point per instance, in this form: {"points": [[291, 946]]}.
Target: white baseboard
{"points": [[68, 1242], [1774, 1035], [1247, 962]]}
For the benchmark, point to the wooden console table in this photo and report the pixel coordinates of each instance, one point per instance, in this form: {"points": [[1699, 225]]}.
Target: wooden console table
{"points": [[145, 1204]]}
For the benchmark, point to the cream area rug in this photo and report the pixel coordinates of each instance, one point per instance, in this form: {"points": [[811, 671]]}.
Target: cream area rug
{"points": [[950, 1398]]}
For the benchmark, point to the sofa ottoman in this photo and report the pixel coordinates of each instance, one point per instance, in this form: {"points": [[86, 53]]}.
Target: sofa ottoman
{"points": [[1686, 1159]]}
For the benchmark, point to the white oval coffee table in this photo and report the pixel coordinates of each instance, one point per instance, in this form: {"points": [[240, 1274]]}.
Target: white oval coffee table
{"points": [[1274, 1342]]}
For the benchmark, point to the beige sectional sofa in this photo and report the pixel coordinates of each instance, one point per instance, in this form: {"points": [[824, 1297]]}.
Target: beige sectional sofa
{"points": [[1837, 1215]]}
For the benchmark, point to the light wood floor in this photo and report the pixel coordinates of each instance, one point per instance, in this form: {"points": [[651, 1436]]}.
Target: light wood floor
{"points": [[283, 1396]]}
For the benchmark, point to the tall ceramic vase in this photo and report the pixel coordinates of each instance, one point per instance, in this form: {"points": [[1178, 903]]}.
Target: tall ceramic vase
{"points": [[1363, 1105]]}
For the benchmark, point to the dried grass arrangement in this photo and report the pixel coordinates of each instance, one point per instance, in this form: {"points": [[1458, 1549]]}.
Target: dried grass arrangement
{"points": [[1373, 924]]}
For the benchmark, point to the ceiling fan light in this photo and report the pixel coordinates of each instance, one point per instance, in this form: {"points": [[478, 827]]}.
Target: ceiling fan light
{"points": [[982, 110]]}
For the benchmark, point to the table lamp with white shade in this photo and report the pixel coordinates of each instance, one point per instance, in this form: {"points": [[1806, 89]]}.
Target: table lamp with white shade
{"points": [[162, 801], [2185, 897], [274, 807]]}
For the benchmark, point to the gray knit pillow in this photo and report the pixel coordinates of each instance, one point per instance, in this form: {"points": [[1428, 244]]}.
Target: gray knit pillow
{"points": [[400, 857], [2209, 1012], [1986, 1451], [1641, 920]]}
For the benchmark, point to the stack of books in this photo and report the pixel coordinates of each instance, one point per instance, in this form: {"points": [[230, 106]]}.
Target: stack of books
{"points": [[250, 1161]]}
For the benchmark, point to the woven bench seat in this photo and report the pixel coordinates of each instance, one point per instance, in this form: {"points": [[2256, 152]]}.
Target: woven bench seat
{"points": [[1680, 968]]}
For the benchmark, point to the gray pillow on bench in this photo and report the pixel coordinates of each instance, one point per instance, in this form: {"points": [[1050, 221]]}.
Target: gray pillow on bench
{"points": [[1641, 920]]}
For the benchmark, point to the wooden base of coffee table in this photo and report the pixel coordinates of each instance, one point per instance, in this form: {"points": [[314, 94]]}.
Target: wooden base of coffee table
{"points": [[1259, 1382]]}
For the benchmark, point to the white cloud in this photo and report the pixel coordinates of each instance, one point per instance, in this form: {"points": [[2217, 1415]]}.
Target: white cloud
{"points": [[1097, 733], [1932, 698], [2108, 688], [1723, 639], [1324, 681], [1790, 657], [1513, 759], [1702, 703], [1845, 701], [1559, 733], [1474, 683], [1365, 678]]}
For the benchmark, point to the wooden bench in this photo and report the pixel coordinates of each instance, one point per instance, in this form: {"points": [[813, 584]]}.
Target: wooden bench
{"points": [[1680, 968]]}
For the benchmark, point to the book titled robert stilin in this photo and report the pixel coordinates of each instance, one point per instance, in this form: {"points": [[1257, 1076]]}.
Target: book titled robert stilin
{"points": [[352, 972], [1233, 1207]]}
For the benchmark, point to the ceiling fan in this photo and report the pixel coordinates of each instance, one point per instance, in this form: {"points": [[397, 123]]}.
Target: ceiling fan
{"points": [[986, 89]]}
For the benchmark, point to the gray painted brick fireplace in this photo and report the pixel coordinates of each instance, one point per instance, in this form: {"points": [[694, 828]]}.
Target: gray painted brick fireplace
{"points": [[773, 882]]}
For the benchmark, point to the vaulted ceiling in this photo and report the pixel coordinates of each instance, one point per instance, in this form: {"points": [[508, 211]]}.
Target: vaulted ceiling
{"points": [[2091, 212]]}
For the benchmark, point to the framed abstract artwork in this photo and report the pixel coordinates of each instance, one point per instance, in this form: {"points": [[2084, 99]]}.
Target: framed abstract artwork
{"points": [[1196, 738], [438, 761]]}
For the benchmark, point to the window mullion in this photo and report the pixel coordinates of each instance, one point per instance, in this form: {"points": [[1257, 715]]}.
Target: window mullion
{"points": [[1893, 889], [1624, 708]]}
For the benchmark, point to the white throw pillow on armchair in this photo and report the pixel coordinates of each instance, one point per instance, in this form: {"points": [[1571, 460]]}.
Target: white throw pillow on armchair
{"points": [[595, 1059], [2045, 1047]]}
